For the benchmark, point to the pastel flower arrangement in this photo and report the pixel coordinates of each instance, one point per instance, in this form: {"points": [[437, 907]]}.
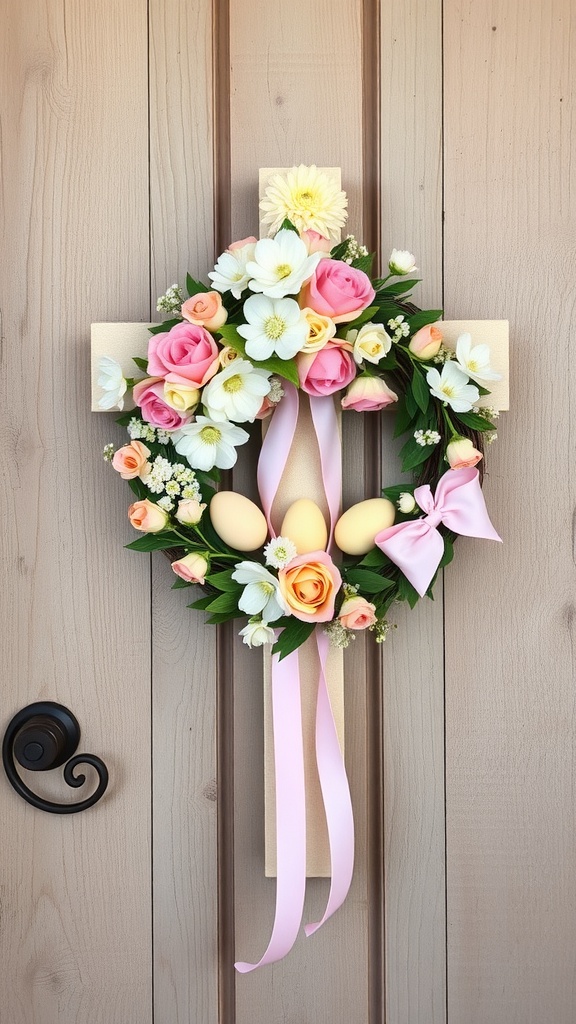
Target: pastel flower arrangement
{"points": [[297, 311]]}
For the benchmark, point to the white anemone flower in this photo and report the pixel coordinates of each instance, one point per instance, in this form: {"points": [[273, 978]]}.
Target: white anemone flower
{"points": [[257, 633], [261, 594], [279, 552], [230, 274], [236, 392], [474, 361], [274, 326], [111, 380], [307, 197], [281, 265], [452, 387], [401, 262], [206, 443]]}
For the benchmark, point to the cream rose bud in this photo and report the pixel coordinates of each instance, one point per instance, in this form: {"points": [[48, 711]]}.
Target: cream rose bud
{"points": [[320, 330], [371, 342], [189, 511], [192, 568], [425, 344], [462, 454], [406, 503], [147, 517], [182, 397], [401, 262]]}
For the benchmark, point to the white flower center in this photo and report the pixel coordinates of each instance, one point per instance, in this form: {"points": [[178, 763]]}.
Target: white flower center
{"points": [[210, 435], [233, 384], [274, 327]]}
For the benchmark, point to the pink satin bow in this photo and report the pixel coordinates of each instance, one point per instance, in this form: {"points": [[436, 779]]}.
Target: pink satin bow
{"points": [[417, 547]]}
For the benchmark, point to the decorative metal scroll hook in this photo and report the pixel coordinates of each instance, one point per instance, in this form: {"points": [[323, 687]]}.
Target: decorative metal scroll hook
{"points": [[43, 736]]}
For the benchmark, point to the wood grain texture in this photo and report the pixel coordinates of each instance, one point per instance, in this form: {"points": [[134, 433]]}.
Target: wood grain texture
{"points": [[413, 655], [74, 890], [510, 219], [184, 648]]}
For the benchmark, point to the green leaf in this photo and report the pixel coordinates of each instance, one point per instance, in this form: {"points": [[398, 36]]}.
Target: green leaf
{"points": [[223, 581], [139, 489], [420, 390], [292, 637], [406, 591], [472, 420], [404, 416], [202, 603], [375, 559], [369, 582], [400, 287], [155, 542], [287, 225], [364, 263], [363, 318], [411, 405], [166, 326], [422, 318], [194, 287], [224, 604], [142, 364], [413, 454]]}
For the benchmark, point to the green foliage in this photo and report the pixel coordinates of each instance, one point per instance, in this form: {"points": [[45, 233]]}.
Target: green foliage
{"points": [[292, 636], [282, 367], [155, 542], [194, 287], [368, 581]]}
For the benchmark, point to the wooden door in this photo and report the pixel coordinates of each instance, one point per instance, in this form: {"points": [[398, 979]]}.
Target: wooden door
{"points": [[131, 137]]}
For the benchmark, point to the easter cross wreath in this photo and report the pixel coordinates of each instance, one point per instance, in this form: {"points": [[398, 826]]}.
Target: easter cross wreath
{"points": [[294, 314]]}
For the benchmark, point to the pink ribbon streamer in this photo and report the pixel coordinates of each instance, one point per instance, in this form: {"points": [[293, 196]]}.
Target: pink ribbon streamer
{"points": [[276, 449], [417, 546], [328, 436]]}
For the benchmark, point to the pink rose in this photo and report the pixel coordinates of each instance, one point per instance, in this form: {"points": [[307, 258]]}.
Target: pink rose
{"points": [[357, 613], [462, 454], [149, 395], [147, 517], [185, 353], [315, 242], [324, 372], [131, 460], [368, 394], [309, 584], [206, 310], [338, 291], [425, 344], [250, 240], [192, 568]]}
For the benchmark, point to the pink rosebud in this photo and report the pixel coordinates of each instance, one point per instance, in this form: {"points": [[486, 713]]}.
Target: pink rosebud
{"points": [[324, 372], [185, 353], [192, 568], [338, 291], [266, 409], [147, 517], [357, 613], [462, 454], [426, 342], [131, 460], [206, 310], [368, 394], [148, 394], [315, 242], [243, 241]]}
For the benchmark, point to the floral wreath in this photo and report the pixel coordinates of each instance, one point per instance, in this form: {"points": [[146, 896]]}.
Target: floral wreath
{"points": [[283, 315]]}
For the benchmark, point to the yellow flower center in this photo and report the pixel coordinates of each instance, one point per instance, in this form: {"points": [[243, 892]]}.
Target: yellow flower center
{"points": [[233, 384], [266, 588], [306, 198], [210, 435], [448, 390], [274, 327], [472, 365], [283, 270]]}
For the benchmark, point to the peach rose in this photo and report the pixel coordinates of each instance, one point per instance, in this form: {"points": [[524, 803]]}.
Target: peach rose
{"points": [[462, 454], [250, 240], [309, 584], [357, 613], [315, 242], [206, 310], [324, 372], [368, 394], [131, 460], [426, 342], [338, 291], [147, 517], [227, 355], [192, 568], [185, 354]]}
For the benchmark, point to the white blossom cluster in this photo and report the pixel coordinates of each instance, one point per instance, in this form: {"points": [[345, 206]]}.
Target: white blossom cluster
{"points": [[140, 431], [108, 452], [338, 634], [443, 355], [353, 250], [381, 628], [171, 301], [424, 437], [173, 478], [399, 327]]}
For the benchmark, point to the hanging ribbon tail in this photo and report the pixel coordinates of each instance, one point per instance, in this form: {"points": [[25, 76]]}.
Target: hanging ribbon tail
{"points": [[327, 431], [335, 793], [290, 811], [276, 449]]}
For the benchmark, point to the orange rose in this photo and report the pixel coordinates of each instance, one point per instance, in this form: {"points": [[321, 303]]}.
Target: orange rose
{"points": [[147, 517], [205, 310], [309, 585], [131, 460]]}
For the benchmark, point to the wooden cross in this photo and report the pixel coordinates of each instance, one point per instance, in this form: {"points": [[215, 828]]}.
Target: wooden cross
{"points": [[302, 478]]}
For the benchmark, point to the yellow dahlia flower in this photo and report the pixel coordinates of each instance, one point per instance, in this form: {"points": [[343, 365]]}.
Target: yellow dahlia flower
{"points": [[308, 198]]}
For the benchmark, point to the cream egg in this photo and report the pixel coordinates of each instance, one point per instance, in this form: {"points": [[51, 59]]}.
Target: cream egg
{"points": [[304, 524], [356, 529], [238, 521]]}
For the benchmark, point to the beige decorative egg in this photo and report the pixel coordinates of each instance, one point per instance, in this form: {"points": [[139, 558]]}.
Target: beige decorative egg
{"points": [[305, 525], [238, 521], [356, 529]]}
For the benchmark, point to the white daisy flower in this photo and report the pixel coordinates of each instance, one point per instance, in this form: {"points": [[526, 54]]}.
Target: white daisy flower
{"points": [[261, 594], [281, 265], [401, 262], [308, 198], [257, 633], [111, 380], [474, 361], [236, 392], [206, 443], [230, 272], [279, 552], [275, 326], [452, 387]]}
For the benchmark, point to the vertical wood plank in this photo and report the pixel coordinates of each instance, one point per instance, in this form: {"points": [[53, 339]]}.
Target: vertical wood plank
{"points": [[184, 648], [74, 890], [413, 654], [510, 216]]}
